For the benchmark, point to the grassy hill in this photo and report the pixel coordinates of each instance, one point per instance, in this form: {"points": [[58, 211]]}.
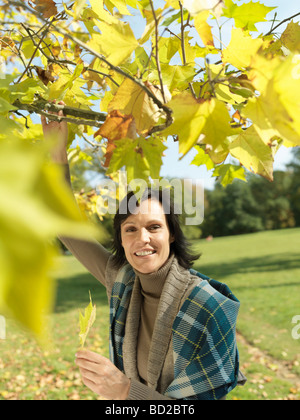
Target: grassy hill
{"points": [[263, 271]]}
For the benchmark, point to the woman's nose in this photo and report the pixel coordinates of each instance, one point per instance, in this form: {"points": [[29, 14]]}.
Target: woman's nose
{"points": [[144, 236]]}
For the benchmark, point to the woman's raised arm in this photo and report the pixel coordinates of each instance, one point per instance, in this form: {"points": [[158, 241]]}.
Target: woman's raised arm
{"points": [[90, 253]]}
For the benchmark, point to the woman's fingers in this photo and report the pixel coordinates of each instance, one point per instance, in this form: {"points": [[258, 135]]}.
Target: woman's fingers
{"points": [[43, 120]]}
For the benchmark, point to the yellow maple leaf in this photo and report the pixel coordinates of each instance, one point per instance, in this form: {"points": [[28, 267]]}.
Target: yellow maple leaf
{"points": [[253, 153], [291, 37], [86, 321], [287, 86], [204, 29], [199, 120], [116, 42], [242, 49], [117, 126], [131, 99], [276, 111]]}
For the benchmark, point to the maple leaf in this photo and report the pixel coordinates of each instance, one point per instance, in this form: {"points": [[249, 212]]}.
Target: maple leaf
{"points": [[247, 15], [117, 41], [196, 6], [242, 49], [199, 119], [204, 29], [44, 75], [141, 157], [117, 126], [253, 153], [86, 321], [228, 173], [291, 37], [46, 7], [131, 99]]}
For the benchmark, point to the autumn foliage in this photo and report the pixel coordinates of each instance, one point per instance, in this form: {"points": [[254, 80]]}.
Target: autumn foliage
{"points": [[126, 91]]}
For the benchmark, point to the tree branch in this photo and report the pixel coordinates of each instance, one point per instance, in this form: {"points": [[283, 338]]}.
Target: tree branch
{"points": [[81, 116], [33, 55], [65, 33]]}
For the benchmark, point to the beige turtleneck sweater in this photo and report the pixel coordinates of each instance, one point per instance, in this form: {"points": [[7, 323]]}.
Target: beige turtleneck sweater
{"points": [[151, 289]]}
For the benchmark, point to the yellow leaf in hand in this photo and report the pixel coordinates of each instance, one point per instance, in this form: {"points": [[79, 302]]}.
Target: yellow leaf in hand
{"points": [[86, 321]]}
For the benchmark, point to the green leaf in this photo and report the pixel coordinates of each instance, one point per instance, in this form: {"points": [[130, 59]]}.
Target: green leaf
{"points": [[202, 158], [247, 15], [26, 90], [86, 321], [177, 77], [253, 153], [141, 157], [5, 106], [228, 173]]}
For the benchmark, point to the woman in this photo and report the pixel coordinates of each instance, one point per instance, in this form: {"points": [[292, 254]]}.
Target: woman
{"points": [[172, 330]]}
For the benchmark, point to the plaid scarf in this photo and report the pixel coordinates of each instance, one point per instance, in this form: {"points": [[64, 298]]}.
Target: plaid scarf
{"points": [[206, 361]]}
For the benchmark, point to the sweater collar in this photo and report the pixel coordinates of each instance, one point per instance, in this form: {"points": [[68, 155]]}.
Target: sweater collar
{"points": [[175, 285], [152, 284]]}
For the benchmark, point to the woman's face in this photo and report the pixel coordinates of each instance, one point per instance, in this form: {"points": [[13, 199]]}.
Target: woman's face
{"points": [[146, 238]]}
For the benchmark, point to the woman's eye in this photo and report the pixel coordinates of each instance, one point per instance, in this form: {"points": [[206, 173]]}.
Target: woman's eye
{"points": [[130, 229], [154, 227]]}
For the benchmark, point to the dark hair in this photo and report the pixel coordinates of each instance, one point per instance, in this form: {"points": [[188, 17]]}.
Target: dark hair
{"points": [[180, 246]]}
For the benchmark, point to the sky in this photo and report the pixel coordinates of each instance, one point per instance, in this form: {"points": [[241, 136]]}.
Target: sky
{"points": [[174, 168]]}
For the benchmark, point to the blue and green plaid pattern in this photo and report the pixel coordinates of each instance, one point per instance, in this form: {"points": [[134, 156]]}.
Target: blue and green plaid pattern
{"points": [[119, 303], [205, 354], [206, 362]]}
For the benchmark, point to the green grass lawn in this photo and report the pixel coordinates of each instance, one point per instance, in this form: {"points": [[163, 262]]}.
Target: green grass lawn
{"points": [[263, 271]]}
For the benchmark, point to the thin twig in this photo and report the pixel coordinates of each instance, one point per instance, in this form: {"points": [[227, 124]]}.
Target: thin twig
{"points": [[183, 45], [281, 23], [66, 62], [156, 52], [34, 53], [90, 142]]}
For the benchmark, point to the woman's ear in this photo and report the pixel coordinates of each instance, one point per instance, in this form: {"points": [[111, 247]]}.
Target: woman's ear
{"points": [[172, 239]]}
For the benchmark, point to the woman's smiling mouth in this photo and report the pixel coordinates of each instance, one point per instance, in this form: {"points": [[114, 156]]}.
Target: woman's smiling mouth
{"points": [[145, 253]]}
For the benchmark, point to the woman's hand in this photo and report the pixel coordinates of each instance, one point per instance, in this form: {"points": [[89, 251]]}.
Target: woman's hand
{"points": [[101, 376], [58, 131]]}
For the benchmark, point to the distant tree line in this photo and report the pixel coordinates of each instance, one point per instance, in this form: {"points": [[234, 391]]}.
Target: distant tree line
{"points": [[254, 206], [241, 207]]}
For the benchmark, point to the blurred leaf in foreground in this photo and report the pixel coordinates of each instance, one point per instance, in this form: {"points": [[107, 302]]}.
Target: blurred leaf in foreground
{"points": [[36, 206]]}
